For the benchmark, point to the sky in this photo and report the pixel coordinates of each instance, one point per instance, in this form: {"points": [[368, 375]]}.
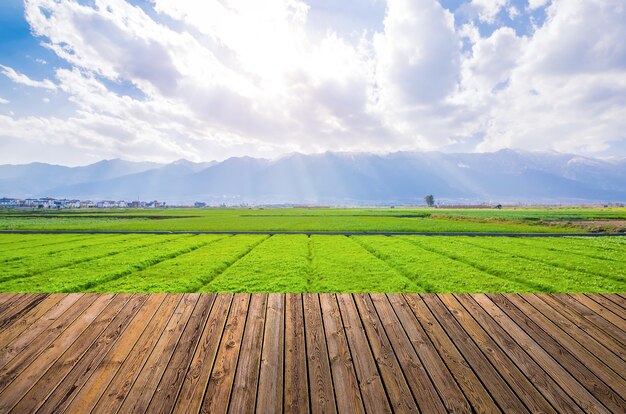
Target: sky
{"points": [[161, 80]]}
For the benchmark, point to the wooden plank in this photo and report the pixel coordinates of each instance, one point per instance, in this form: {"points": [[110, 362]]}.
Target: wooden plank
{"points": [[416, 376], [578, 310], [589, 342], [243, 398], [7, 300], [12, 392], [296, 381], [167, 391], [511, 371], [497, 386], [341, 362], [320, 353], [448, 389], [609, 304], [549, 388], [475, 392], [400, 395], [47, 323], [270, 390], [24, 349], [604, 312], [17, 327], [146, 383], [320, 377], [221, 380], [72, 370], [549, 329], [16, 312], [197, 378], [119, 387], [618, 299], [13, 303], [569, 384], [88, 395], [566, 357], [373, 392]]}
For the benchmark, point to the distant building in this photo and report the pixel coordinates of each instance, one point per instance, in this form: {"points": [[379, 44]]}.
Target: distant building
{"points": [[9, 202], [60, 204]]}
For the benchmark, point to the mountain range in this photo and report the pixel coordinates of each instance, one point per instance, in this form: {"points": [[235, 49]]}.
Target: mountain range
{"points": [[506, 176]]}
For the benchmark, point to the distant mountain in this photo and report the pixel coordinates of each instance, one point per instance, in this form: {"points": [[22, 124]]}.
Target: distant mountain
{"points": [[334, 178], [36, 179]]}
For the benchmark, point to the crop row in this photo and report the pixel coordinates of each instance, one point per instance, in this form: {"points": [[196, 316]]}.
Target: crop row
{"points": [[297, 263], [188, 272], [83, 274]]}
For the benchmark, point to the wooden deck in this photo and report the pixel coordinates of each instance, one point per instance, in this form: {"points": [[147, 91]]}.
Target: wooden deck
{"points": [[80, 353]]}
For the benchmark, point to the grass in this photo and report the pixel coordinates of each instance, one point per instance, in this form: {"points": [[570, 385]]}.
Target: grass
{"points": [[339, 264], [188, 272], [293, 219], [509, 265], [320, 263], [278, 264]]}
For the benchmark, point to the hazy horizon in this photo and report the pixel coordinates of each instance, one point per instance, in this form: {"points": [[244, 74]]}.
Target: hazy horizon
{"points": [[158, 80], [334, 178]]}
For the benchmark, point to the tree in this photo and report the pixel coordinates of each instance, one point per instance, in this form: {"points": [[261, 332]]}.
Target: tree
{"points": [[430, 200]]}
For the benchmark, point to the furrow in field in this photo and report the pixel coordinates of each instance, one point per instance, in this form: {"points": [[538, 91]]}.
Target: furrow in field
{"points": [[342, 265], [279, 264], [375, 250], [309, 264], [435, 272], [612, 270], [187, 272], [83, 276], [41, 264], [543, 278]]}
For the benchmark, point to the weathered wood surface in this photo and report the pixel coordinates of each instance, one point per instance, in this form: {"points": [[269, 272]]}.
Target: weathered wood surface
{"points": [[344, 353]]}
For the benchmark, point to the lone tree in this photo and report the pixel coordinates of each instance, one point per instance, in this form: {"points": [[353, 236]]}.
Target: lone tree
{"points": [[430, 200]]}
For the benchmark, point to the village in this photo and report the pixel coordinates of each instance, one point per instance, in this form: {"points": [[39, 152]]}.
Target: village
{"points": [[61, 204]]}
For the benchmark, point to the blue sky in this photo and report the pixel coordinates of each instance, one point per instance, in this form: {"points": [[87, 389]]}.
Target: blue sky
{"points": [[161, 80]]}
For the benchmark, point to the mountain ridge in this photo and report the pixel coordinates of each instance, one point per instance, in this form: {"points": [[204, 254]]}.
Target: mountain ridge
{"points": [[510, 176]]}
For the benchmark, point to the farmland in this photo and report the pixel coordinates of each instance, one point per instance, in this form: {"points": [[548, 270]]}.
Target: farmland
{"points": [[305, 262], [509, 220], [316, 263]]}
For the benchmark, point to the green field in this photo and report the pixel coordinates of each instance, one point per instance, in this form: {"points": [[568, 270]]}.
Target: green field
{"points": [[319, 263], [521, 220]]}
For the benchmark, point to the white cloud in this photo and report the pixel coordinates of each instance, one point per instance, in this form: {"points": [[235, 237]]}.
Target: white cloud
{"points": [[491, 63], [568, 89], [4, 101], [417, 68], [214, 79], [536, 4], [25, 80], [513, 12], [487, 10]]}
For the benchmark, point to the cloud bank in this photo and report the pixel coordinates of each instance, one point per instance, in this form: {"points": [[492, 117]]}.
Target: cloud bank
{"points": [[209, 80]]}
